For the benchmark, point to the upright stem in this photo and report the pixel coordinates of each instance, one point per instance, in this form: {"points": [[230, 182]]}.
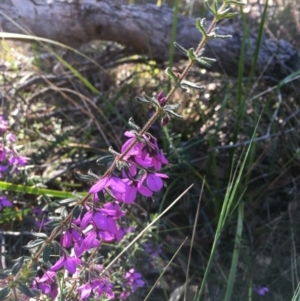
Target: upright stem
{"points": [[150, 122]]}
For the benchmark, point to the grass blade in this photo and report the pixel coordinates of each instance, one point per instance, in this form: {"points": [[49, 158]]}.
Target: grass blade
{"points": [[236, 252]]}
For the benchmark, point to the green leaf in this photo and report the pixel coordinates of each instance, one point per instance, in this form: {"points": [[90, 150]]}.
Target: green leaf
{"points": [[17, 266], [229, 15], [200, 24], [77, 210], [171, 74], [54, 223], [171, 107], [35, 190], [46, 253], [208, 7], [4, 293], [187, 84], [56, 246], [34, 244], [105, 160], [39, 234], [236, 2], [214, 8], [27, 291], [191, 55], [64, 212], [133, 125], [236, 253], [180, 47], [224, 12], [3, 275], [227, 209], [55, 229], [174, 114], [54, 219], [218, 36], [152, 100], [205, 61], [68, 201], [291, 77], [148, 97], [88, 178], [120, 165], [112, 151], [142, 99]]}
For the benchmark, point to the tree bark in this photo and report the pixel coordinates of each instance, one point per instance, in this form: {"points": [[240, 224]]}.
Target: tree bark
{"points": [[146, 29]]}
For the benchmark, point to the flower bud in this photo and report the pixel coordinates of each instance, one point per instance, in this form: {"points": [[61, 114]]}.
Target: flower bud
{"points": [[161, 98], [165, 120]]}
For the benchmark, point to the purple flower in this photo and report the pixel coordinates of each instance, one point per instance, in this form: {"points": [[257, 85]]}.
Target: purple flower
{"points": [[161, 98], [158, 158], [124, 295], [90, 241], [70, 237], [165, 120], [42, 224], [99, 225], [85, 291], [112, 209], [133, 188], [154, 180], [120, 234], [47, 284], [261, 290], [67, 261], [86, 220], [105, 223], [104, 287], [4, 202], [100, 220], [106, 235], [3, 153], [11, 137], [3, 124], [102, 183], [37, 211], [99, 287], [2, 169], [137, 152], [145, 154], [152, 249], [18, 160], [134, 280], [115, 186], [134, 151], [79, 248]]}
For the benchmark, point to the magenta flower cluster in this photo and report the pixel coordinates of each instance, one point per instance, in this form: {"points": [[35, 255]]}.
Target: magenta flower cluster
{"points": [[101, 222], [261, 290], [10, 160], [133, 281], [8, 155], [153, 250]]}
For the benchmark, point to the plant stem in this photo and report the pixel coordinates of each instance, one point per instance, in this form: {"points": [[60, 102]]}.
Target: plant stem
{"points": [[68, 219]]}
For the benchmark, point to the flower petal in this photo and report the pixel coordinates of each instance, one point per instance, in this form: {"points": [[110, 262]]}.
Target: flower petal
{"points": [[130, 195], [71, 263], [144, 190], [85, 291], [117, 184], [154, 182], [99, 185], [58, 265]]}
